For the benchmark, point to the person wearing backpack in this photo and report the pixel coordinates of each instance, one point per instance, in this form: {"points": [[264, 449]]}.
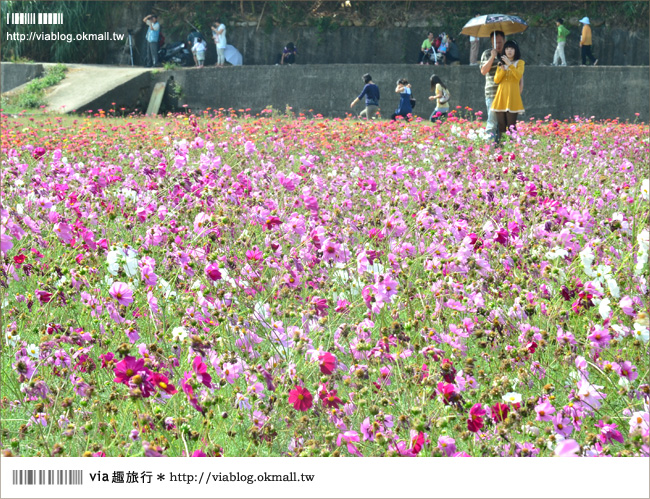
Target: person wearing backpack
{"points": [[441, 95]]}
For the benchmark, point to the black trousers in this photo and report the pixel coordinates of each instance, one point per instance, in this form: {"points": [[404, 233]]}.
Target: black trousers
{"points": [[586, 52]]}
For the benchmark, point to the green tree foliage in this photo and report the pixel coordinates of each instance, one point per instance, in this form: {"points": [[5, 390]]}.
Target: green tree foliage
{"points": [[79, 17]]}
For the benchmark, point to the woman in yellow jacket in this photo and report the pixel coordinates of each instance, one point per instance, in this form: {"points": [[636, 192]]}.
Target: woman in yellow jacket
{"points": [[507, 102]]}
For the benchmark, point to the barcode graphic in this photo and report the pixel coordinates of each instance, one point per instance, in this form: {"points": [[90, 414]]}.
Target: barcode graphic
{"points": [[34, 18], [48, 477]]}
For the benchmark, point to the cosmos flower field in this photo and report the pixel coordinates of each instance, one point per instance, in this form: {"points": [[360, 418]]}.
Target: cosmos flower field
{"points": [[216, 285]]}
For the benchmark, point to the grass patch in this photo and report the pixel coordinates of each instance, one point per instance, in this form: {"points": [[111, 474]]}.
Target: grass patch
{"points": [[34, 94]]}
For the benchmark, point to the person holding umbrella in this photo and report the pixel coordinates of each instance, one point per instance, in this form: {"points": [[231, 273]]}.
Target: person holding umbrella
{"points": [[496, 27], [488, 67], [507, 101]]}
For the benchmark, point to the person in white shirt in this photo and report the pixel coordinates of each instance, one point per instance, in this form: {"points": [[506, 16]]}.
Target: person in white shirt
{"points": [[474, 44], [199, 51], [219, 35]]}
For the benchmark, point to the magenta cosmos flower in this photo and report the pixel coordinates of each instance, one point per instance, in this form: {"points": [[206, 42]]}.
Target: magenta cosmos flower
{"points": [[300, 398], [122, 293], [475, 421], [327, 363], [127, 368]]}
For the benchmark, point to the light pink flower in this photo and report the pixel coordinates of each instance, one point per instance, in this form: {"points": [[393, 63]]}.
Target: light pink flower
{"points": [[122, 293]]}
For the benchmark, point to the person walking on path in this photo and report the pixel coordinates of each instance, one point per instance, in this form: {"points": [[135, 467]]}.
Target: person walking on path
{"points": [[562, 33], [404, 109], [585, 42], [153, 36], [371, 93], [441, 96], [219, 36], [488, 67], [507, 101]]}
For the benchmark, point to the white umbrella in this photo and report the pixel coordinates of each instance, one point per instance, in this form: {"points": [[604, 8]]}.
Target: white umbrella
{"points": [[233, 56]]}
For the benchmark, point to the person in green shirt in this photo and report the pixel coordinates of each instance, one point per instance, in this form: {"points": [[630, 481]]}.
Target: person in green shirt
{"points": [[428, 51], [562, 33]]}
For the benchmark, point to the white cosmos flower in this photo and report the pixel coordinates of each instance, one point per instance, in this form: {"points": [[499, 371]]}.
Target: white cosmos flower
{"points": [[166, 288], [644, 240], [122, 258], [641, 332], [179, 334], [645, 189], [587, 259], [33, 351], [12, 338], [603, 272], [613, 288], [556, 252], [604, 309], [512, 398]]}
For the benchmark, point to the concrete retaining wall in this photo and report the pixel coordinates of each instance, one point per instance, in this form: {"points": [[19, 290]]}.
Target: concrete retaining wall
{"points": [[563, 92], [16, 74], [401, 45]]}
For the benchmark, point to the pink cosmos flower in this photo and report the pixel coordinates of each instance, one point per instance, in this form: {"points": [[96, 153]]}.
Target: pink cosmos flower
{"points": [[475, 421], [342, 306], [348, 438], [447, 445], [500, 412], [43, 296], [153, 303], [38, 152], [562, 425], [544, 411], [161, 382], [567, 448], [301, 399], [63, 231], [201, 371], [628, 370], [122, 293], [254, 254], [627, 305], [640, 420], [212, 271], [327, 363], [320, 305], [201, 222], [609, 432], [127, 368], [148, 275], [5, 243]]}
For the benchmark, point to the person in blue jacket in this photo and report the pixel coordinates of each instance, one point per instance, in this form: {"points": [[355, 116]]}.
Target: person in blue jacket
{"points": [[405, 108], [371, 93]]}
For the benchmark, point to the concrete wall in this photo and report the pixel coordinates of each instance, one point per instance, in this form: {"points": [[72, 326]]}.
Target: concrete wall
{"points": [[400, 45], [602, 92], [16, 74]]}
